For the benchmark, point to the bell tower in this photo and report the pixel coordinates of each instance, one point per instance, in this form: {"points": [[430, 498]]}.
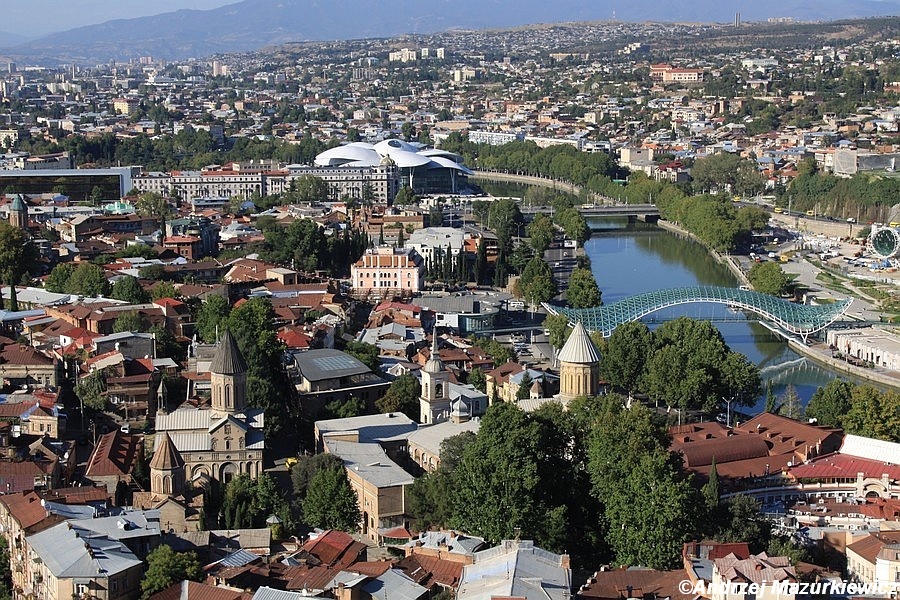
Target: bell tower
{"points": [[228, 378], [434, 401]]}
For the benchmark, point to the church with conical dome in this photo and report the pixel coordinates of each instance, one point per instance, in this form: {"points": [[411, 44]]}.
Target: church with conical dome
{"points": [[579, 366], [225, 439]]}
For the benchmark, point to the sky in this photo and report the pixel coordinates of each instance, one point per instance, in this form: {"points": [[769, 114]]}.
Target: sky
{"points": [[33, 18]]}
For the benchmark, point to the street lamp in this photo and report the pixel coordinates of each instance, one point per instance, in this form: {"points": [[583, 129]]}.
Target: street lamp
{"points": [[727, 402]]}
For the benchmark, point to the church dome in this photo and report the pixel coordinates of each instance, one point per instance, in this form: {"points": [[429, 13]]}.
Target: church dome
{"points": [[228, 359], [434, 364], [579, 349]]}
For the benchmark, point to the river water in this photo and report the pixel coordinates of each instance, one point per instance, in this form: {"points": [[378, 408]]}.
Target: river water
{"points": [[633, 258], [629, 259]]}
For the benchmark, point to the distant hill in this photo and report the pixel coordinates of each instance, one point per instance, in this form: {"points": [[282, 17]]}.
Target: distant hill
{"points": [[252, 24]]}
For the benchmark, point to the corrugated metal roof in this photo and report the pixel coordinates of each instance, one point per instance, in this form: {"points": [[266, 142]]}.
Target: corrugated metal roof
{"points": [[370, 462], [68, 553], [872, 449], [267, 593], [515, 569], [395, 584], [238, 559]]}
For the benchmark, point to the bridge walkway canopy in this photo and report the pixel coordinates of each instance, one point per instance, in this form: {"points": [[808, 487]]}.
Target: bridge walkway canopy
{"points": [[797, 319]]}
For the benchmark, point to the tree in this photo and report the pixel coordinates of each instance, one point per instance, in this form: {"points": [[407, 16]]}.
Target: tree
{"points": [[481, 264], [504, 217], [330, 502], [497, 478], [558, 327], [710, 489], [874, 414], [167, 345], [130, 321], [627, 353], [478, 380], [151, 204], [540, 233], [253, 326], [165, 566], [791, 406], [739, 520], [367, 354], [164, 289], [128, 288], [212, 314], [768, 278], [405, 196], [58, 278], [344, 408], [537, 282], [429, 497], [17, 257], [524, 390], [652, 513], [402, 396], [306, 468], [309, 188], [90, 389], [87, 280], [830, 403], [583, 291], [727, 171]]}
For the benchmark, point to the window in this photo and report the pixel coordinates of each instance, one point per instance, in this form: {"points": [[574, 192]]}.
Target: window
{"points": [[438, 390], [227, 429]]}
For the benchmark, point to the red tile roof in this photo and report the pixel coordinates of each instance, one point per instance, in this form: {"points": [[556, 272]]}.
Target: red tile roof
{"points": [[25, 508], [428, 570], [844, 465]]}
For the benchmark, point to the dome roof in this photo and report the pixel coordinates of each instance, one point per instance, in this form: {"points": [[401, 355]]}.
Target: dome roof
{"points": [[228, 359], [434, 364], [403, 154], [167, 456], [358, 152], [459, 408], [579, 349], [441, 162], [18, 204]]}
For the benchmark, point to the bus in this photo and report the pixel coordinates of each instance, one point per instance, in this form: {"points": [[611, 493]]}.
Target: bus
{"points": [[779, 210], [810, 213]]}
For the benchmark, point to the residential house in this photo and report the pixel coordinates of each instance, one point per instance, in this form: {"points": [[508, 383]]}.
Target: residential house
{"points": [[324, 375]]}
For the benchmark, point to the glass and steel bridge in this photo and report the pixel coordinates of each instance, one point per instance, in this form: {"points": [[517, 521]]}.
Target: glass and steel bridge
{"points": [[790, 318]]}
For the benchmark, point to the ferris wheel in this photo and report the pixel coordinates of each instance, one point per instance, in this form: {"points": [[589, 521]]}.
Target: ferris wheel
{"points": [[884, 242]]}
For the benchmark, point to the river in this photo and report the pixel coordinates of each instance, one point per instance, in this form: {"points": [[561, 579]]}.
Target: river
{"points": [[629, 259]]}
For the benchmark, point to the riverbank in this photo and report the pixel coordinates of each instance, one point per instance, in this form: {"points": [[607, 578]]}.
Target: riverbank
{"points": [[821, 354], [728, 261], [818, 352]]}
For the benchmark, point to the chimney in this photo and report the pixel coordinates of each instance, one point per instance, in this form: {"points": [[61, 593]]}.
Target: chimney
{"points": [[564, 561]]}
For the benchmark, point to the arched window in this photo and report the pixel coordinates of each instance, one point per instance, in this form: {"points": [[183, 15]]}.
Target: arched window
{"points": [[213, 444], [228, 444], [227, 396], [167, 485], [438, 390]]}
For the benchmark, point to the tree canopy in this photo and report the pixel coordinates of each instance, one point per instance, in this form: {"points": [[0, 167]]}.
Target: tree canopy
{"points": [[583, 291], [165, 566]]}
